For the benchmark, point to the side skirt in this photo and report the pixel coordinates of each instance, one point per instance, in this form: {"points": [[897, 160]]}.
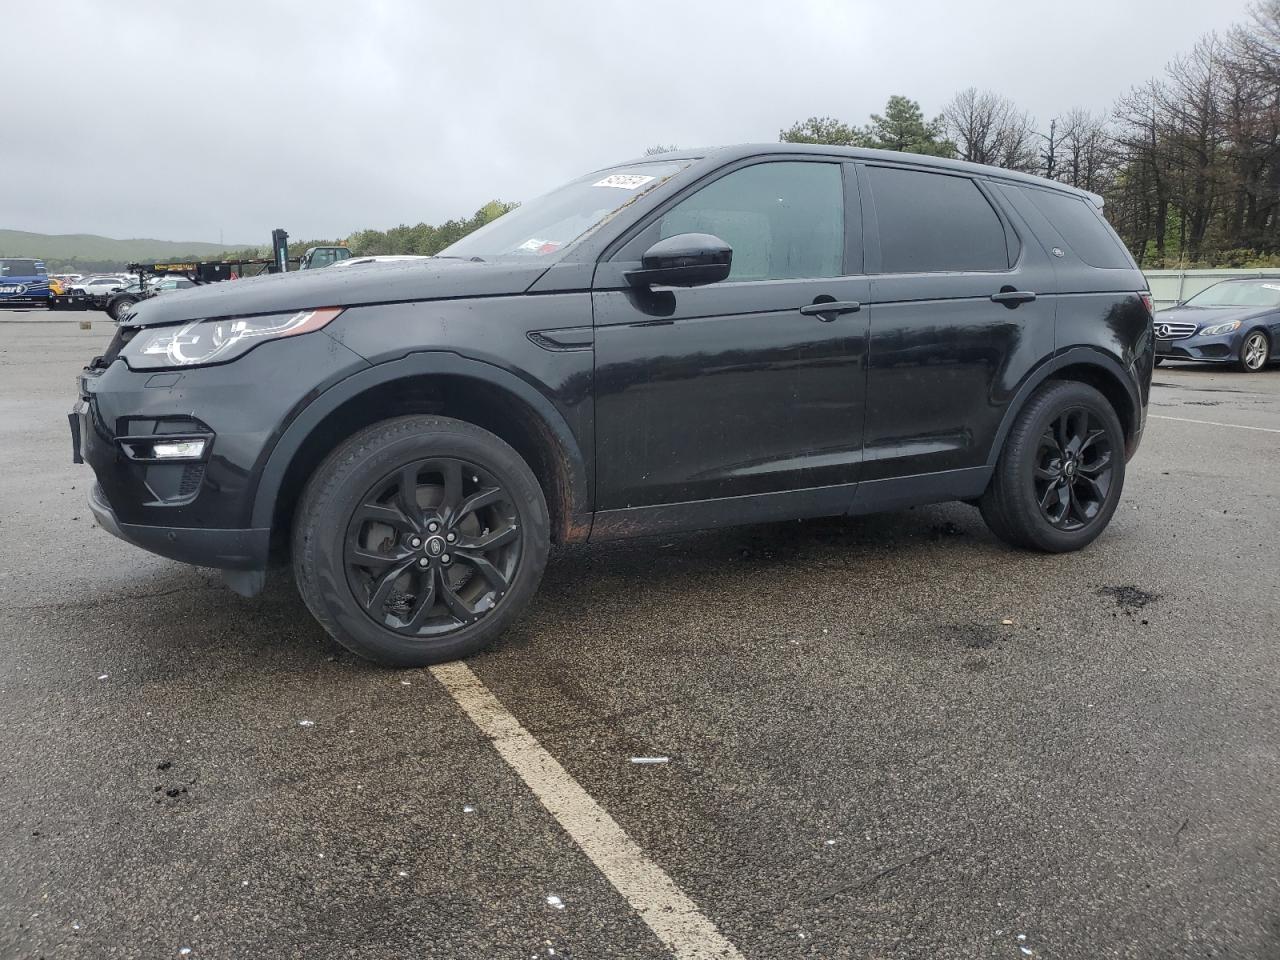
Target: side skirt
{"points": [[870, 496], [898, 493]]}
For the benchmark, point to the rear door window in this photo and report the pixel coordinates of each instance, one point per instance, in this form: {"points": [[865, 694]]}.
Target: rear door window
{"points": [[1081, 227], [933, 223]]}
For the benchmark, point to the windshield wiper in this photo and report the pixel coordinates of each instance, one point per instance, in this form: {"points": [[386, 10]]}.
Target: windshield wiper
{"points": [[436, 256]]}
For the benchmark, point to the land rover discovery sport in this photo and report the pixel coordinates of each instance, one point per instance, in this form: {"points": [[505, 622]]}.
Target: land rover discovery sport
{"points": [[696, 339]]}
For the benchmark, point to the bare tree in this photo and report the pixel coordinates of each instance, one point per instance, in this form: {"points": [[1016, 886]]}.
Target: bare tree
{"points": [[988, 128], [1084, 150]]}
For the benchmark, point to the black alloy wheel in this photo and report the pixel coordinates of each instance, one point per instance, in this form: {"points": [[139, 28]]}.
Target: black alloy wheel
{"points": [[1073, 469], [420, 540], [432, 547], [1060, 474]]}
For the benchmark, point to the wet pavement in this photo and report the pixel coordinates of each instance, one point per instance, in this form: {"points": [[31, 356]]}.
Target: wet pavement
{"points": [[889, 736]]}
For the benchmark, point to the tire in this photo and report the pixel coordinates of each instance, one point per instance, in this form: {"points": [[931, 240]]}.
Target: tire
{"points": [[118, 306], [382, 580], [1061, 472], [1255, 351]]}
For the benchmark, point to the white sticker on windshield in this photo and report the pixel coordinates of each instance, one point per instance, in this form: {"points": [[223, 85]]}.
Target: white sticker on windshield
{"points": [[627, 181]]}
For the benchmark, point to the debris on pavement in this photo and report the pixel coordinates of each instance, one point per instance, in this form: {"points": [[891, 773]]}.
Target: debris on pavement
{"points": [[554, 901], [1129, 598], [306, 723], [650, 759]]}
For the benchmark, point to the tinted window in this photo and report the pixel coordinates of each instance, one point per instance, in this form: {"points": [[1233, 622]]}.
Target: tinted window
{"points": [[932, 222], [1081, 227], [783, 220], [18, 268]]}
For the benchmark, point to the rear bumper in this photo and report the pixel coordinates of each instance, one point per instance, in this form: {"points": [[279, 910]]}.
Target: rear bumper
{"points": [[224, 549]]}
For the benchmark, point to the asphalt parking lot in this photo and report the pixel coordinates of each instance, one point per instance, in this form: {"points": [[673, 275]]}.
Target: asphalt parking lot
{"points": [[887, 737]]}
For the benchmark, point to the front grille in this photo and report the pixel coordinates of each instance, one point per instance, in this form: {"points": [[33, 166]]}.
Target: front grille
{"points": [[1174, 331]]}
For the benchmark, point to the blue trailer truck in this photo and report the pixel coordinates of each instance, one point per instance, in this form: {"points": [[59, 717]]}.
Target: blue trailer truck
{"points": [[23, 283]]}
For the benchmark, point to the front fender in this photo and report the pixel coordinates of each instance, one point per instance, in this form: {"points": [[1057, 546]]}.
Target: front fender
{"points": [[413, 365]]}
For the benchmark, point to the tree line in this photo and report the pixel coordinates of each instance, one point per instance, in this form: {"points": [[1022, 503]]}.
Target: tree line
{"points": [[1188, 163]]}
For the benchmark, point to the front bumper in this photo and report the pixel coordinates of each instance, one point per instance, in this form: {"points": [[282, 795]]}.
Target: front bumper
{"points": [[197, 510], [225, 549], [1200, 349]]}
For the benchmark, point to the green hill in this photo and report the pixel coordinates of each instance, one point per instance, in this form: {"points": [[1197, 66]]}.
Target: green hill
{"points": [[103, 253]]}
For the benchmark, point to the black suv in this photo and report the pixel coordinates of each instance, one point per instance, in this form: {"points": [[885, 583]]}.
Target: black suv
{"points": [[696, 339]]}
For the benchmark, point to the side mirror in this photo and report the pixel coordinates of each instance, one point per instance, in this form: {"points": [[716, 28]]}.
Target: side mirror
{"points": [[685, 260]]}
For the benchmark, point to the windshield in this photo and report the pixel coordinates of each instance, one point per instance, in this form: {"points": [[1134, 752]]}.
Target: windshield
{"points": [[19, 268], [1234, 293], [547, 225]]}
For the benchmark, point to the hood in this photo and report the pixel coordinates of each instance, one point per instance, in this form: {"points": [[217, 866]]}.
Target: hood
{"points": [[386, 282], [1207, 316]]}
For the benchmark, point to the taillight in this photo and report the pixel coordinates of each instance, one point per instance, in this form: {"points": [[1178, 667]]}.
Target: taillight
{"points": [[1146, 301]]}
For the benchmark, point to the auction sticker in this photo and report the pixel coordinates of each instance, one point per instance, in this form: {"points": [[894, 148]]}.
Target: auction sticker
{"points": [[627, 181]]}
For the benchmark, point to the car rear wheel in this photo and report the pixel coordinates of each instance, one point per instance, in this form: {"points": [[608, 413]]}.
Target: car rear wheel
{"points": [[420, 540], [1059, 477], [116, 307], [1254, 352]]}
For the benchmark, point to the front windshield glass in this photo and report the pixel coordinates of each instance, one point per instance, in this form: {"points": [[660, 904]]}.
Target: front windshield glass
{"points": [[1234, 293], [548, 225], [18, 268]]}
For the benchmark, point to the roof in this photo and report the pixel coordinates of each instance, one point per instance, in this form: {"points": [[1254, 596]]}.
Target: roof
{"points": [[728, 154]]}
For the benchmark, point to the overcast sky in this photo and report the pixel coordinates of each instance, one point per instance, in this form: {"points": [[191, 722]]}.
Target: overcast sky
{"points": [[208, 120]]}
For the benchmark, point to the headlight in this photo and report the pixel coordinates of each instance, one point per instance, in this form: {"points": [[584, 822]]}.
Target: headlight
{"points": [[1220, 329], [217, 341]]}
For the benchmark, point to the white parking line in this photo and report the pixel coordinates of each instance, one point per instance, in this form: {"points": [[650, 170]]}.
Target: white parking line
{"points": [[672, 916], [1213, 423]]}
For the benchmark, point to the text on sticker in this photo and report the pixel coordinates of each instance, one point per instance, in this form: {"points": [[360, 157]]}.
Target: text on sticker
{"points": [[627, 181]]}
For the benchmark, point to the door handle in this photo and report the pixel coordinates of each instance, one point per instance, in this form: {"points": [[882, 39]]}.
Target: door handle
{"points": [[1011, 298], [827, 310]]}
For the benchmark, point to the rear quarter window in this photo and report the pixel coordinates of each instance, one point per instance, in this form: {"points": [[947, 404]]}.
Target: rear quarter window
{"points": [[1082, 227]]}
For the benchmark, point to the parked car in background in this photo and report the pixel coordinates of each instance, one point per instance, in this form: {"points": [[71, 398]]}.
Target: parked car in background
{"points": [[23, 282], [696, 339], [101, 286], [316, 257], [1234, 321]]}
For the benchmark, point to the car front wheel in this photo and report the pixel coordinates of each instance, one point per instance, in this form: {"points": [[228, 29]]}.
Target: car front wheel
{"points": [[419, 540], [1059, 477], [1254, 352]]}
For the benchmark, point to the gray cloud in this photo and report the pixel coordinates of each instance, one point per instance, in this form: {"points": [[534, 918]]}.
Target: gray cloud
{"points": [[324, 117]]}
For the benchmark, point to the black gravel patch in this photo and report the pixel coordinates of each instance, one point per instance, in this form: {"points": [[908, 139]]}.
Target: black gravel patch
{"points": [[1129, 598]]}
